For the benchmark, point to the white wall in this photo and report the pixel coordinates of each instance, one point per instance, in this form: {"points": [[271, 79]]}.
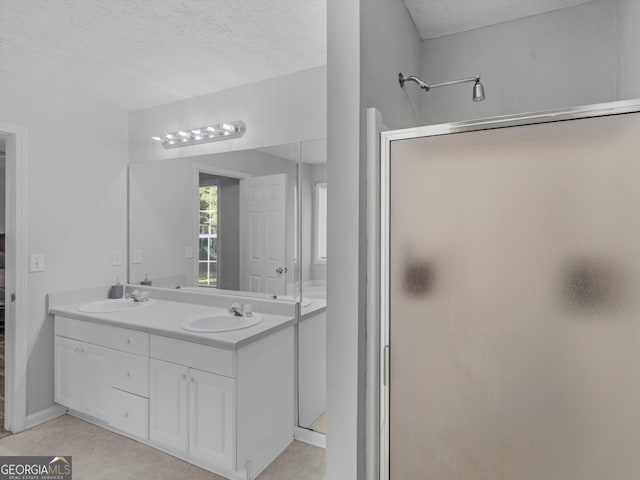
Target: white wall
{"points": [[390, 44], [3, 190], [369, 43], [576, 56], [343, 216], [287, 109], [76, 209], [627, 21]]}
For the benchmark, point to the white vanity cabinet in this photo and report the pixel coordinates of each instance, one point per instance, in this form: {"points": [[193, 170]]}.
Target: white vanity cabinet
{"points": [[103, 372], [192, 412], [231, 410], [82, 377]]}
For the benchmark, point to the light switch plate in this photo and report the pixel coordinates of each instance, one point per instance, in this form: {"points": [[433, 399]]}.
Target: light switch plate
{"points": [[136, 256], [116, 257], [36, 262]]}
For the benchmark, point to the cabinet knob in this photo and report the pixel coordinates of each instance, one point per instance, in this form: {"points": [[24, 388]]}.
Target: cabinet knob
{"points": [[184, 375], [128, 374], [126, 414], [128, 341], [193, 379]]}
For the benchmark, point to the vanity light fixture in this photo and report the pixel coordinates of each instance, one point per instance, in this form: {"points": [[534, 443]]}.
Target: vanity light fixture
{"points": [[210, 133]]}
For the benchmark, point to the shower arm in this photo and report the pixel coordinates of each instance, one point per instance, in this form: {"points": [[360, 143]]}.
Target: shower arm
{"points": [[412, 78]]}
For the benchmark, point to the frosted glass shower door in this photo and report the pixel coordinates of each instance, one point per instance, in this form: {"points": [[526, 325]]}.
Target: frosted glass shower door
{"points": [[515, 303]]}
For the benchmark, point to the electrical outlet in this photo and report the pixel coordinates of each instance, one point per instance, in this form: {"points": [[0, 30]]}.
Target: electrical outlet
{"points": [[36, 262], [136, 256], [188, 252], [116, 257]]}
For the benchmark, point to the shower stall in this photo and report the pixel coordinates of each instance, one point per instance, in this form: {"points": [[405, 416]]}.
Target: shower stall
{"points": [[510, 297]]}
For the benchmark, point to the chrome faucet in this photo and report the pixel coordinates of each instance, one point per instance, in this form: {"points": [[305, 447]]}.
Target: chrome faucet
{"points": [[238, 310], [137, 296]]}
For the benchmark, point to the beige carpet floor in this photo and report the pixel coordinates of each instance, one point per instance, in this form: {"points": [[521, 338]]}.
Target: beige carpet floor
{"points": [[99, 454]]}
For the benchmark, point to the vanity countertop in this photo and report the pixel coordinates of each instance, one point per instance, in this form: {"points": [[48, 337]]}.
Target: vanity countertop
{"points": [[164, 317], [316, 305]]}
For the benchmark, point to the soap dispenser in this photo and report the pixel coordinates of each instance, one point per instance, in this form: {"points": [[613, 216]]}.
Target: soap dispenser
{"points": [[117, 290], [146, 281]]}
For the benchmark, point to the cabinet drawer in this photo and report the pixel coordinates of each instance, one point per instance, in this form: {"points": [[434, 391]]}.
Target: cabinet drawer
{"points": [[130, 373], [203, 357], [130, 413], [117, 338]]}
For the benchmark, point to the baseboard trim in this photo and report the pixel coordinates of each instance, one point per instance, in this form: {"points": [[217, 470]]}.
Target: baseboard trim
{"points": [[45, 415], [309, 436]]}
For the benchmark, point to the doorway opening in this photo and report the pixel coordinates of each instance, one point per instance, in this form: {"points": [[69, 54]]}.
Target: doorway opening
{"points": [[208, 237], [218, 231], [15, 325]]}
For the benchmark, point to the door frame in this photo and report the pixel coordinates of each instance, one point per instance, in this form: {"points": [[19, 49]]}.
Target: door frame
{"points": [[382, 357], [15, 390]]}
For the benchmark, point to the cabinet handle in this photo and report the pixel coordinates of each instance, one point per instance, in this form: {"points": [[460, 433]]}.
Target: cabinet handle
{"points": [[126, 414], [184, 376], [128, 341], [128, 374]]}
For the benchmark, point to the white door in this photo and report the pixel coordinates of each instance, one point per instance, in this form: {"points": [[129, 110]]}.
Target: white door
{"points": [[263, 236], [211, 415], [168, 405], [68, 369], [96, 379]]}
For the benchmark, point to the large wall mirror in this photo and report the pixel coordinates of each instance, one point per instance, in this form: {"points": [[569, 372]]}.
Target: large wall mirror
{"points": [[225, 221], [239, 221]]}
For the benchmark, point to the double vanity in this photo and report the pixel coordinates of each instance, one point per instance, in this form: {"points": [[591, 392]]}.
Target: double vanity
{"points": [[182, 373]]}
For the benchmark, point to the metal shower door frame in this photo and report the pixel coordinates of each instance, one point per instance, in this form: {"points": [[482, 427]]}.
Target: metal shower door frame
{"points": [[386, 139]]}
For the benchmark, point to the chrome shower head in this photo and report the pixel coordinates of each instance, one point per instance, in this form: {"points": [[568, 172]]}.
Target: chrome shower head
{"points": [[478, 91]]}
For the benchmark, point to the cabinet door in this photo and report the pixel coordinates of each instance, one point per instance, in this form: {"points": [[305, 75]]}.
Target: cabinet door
{"points": [[168, 405], [96, 380], [68, 371], [211, 418]]}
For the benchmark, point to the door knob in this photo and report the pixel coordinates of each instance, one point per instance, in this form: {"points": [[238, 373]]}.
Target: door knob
{"points": [[281, 270]]}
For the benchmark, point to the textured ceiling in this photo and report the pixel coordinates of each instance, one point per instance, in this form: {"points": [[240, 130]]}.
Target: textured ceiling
{"points": [[139, 53], [445, 17]]}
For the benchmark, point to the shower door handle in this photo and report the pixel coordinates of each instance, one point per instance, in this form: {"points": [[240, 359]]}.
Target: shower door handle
{"points": [[13, 297]]}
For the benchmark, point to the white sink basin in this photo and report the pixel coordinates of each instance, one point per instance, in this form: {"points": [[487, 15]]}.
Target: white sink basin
{"points": [[110, 306], [222, 322]]}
